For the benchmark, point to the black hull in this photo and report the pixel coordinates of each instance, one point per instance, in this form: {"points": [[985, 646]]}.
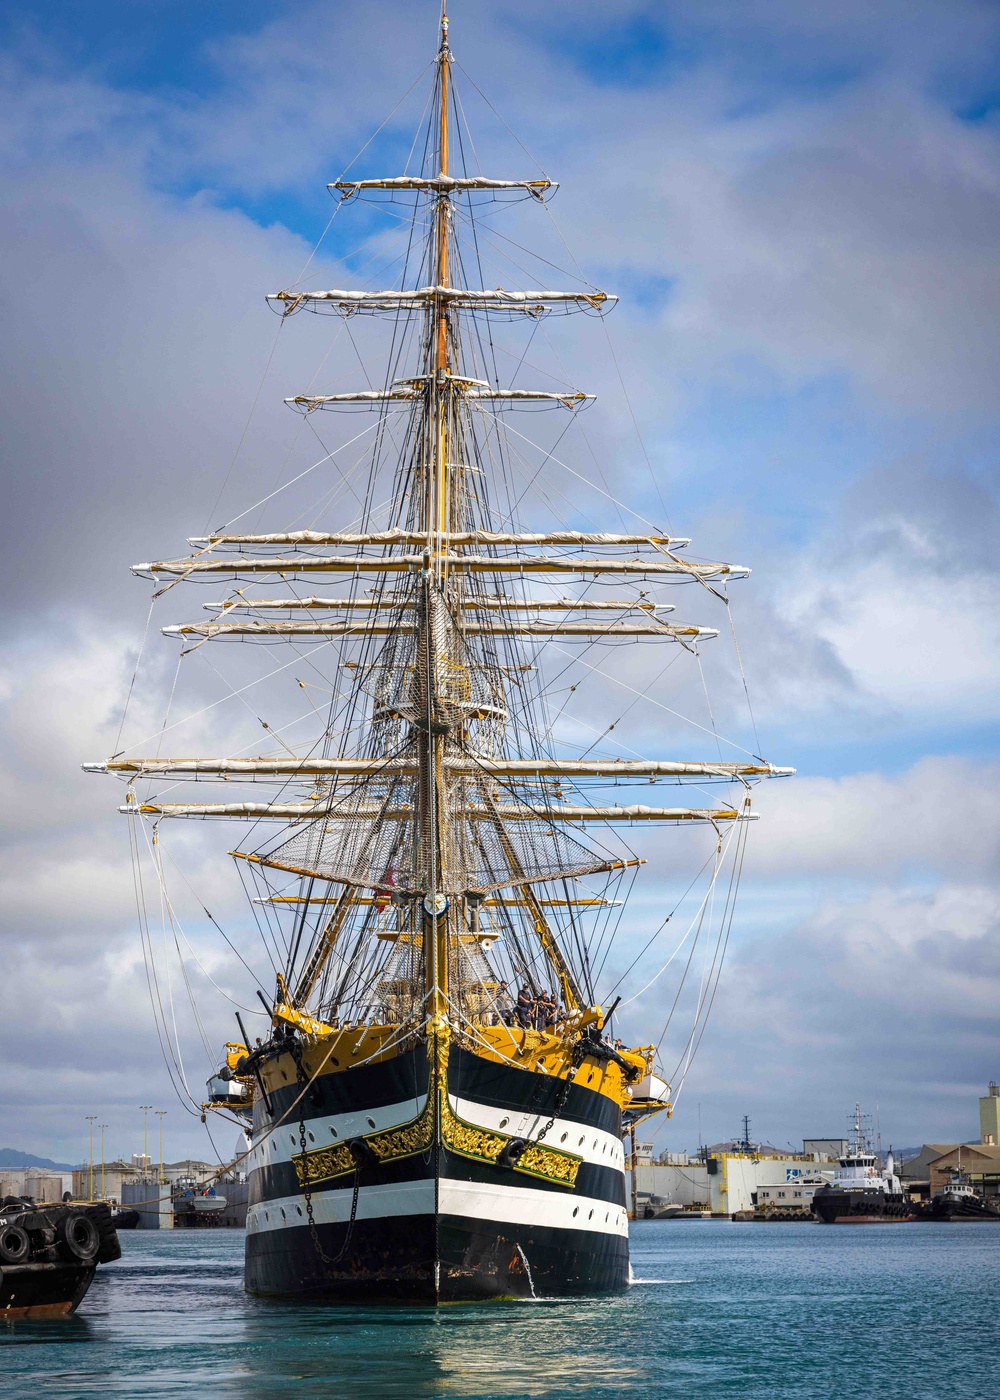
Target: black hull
{"points": [[43, 1290], [441, 1259], [443, 1224], [838, 1207], [953, 1212], [51, 1282]]}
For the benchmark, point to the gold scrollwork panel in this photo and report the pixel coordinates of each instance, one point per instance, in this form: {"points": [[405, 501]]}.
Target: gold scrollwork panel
{"points": [[483, 1145], [326, 1163], [322, 1164]]}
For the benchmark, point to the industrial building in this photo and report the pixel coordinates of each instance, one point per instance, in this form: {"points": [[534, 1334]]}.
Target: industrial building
{"points": [[110, 1178], [728, 1178], [927, 1173], [42, 1184]]}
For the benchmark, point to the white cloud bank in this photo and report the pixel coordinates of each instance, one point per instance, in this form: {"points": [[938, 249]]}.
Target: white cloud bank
{"points": [[847, 232]]}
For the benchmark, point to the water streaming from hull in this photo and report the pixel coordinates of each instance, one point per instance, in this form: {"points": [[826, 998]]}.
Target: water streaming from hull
{"points": [[527, 1270]]}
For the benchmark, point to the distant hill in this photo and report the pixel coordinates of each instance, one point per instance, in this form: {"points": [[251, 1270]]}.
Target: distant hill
{"points": [[13, 1160]]}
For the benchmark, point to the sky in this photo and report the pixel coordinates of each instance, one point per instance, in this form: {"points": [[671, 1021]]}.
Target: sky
{"points": [[799, 206]]}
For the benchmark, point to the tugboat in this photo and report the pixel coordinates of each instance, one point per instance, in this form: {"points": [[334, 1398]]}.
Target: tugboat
{"points": [[49, 1255], [861, 1194], [958, 1201]]}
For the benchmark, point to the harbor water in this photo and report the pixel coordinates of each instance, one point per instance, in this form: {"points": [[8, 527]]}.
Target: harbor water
{"points": [[778, 1311]]}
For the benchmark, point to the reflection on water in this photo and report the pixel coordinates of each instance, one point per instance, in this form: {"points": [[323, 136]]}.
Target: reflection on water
{"points": [[784, 1313]]}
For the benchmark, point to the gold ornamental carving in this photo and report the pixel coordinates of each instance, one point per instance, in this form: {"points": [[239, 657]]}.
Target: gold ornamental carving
{"points": [[465, 1139], [483, 1145], [391, 1145]]}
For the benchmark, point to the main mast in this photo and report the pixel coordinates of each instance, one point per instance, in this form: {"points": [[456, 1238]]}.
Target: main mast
{"points": [[435, 915]]}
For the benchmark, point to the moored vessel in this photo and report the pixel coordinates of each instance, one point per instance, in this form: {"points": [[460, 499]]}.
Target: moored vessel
{"points": [[49, 1255], [196, 1206], [862, 1192], [436, 1107], [959, 1202], [656, 1209]]}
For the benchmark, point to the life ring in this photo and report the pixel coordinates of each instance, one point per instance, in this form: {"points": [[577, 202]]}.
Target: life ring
{"points": [[78, 1236], [15, 1244]]}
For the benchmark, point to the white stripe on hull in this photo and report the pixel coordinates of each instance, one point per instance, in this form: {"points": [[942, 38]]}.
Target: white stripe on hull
{"points": [[526, 1205], [592, 1144], [496, 1201], [283, 1144]]}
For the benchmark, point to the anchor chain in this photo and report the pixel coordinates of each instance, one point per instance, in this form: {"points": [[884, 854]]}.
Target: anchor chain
{"points": [[301, 1081], [564, 1088]]}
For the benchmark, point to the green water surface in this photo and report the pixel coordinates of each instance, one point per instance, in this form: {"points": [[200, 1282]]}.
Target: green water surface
{"points": [[869, 1312]]}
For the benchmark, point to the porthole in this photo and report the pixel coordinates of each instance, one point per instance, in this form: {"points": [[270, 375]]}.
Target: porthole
{"points": [[595, 1144], [564, 1137], [284, 1076], [590, 1216], [333, 1131], [283, 1216], [504, 1122], [298, 1210], [267, 1215], [580, 1143], [576, 1211], [334, 1060], [607, 1217], [370, 1122], [310, 1137], [291, 1138]]}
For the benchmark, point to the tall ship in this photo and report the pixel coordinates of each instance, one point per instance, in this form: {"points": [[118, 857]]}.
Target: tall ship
{"points": [[862, 1191], [437, 1104]]}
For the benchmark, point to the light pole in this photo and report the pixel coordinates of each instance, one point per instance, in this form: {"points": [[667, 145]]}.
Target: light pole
{"points": [[102, 1126], [159, 1113], [145, 1138], [91, 1119]]}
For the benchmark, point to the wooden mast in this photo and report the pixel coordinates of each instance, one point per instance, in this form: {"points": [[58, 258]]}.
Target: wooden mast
{"points": [[436, 923]]}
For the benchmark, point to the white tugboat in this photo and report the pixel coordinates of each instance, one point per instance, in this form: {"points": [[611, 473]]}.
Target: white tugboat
{"points": [[862, 1193]]}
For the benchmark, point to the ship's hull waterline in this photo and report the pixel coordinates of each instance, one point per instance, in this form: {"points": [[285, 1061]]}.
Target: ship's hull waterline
{"points": [[845, 1207], [436, 1216]]}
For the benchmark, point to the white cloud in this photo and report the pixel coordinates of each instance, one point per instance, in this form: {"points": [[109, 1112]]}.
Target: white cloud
{"points": [[845, 232], [890, 999], [936, 817]]}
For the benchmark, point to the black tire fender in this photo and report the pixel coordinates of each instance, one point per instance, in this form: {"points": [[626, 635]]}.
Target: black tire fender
{"points": [[363, 1154], [77, 1234], [110, 1247], [513, 1152], [15, 1244]]}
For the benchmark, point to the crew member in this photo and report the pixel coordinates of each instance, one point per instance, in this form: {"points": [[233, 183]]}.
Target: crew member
{"points": [[503, 1006], [525, 1007]]}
